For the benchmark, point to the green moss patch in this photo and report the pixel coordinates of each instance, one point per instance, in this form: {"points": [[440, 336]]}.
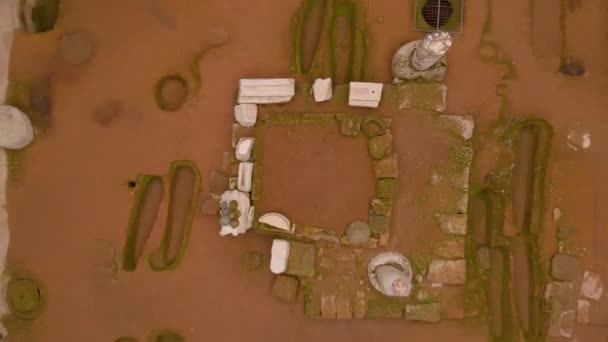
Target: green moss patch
{"points": [[171, 92], [184, 184], [387, 188], [143, 216], [45, 15], [25, 298]]}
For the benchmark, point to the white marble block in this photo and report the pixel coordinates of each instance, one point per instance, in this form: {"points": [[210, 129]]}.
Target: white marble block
{"points": [[364, 94], [246, 114], [276, 220], [266, 90], [322, 90], [245, 176], [244, 148], [279, 255]]}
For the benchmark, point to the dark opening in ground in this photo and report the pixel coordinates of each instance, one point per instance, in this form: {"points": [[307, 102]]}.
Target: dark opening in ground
{"points": [[437, 13]]}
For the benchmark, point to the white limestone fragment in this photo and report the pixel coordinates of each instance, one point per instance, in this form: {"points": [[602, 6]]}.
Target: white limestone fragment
{"points": [[16, 130], [266, 90], [279, 255], [244, 148], [246, 114], [592, 286], [322, 90], [245, 176], [276, 220], [365, 94]]}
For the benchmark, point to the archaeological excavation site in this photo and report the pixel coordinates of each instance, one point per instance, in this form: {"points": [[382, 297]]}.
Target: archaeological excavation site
{"points": [[303, 170]]}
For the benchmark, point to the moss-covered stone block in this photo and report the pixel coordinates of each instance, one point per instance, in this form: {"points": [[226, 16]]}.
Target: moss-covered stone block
{"points": [[384, 307], [379, 224], [301, 261], [427, 96], [387, 167], [350, 125], [381, 145], [285, 288], [312, 303], [461, 155], [381, 206], [282, 119], [451, 248], [387, 188], [373, 126], [423, 312]]}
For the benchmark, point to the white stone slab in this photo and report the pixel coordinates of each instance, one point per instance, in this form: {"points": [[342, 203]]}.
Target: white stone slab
{"points": [[364, 94], [279, 255], [246, 114], [266, 90], [276, 220], [244, 148], [16, 130], [322, 89], [245, 176]]}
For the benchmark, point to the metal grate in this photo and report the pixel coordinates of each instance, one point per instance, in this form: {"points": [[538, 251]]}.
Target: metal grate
{"points": [[437, 13], [445, 15]]}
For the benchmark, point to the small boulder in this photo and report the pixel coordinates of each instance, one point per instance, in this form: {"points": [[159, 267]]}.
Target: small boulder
{"points": [[16, 130], [566, 268], [358, 233], [423, 312], [387, 167], [448, 272], [285, 288], [592, 286], [380, 146], [322, 90]]}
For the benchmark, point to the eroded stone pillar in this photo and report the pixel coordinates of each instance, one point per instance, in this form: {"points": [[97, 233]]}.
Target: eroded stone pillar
{"points": [[431, 49]]}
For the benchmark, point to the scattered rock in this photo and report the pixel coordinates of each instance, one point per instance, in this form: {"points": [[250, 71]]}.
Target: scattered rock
{"points": [[107, 112], [462, 126], [447, 272], [76, 47], [380, 146], [358, 233], [572, 67], [381, 206], [582, 311], [246, 114], [343, 308], [350, 125], [452, 248], [322, 89], [328, 307], [579, 140], [452, 223], [566, 268], [592, 286], [285, 288], [423, 312], [387, 167], [210, 206], [373, 126], [379, 224], [387, 188], [253, 260], [16, 130], [557, 214], [301, 261]]}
